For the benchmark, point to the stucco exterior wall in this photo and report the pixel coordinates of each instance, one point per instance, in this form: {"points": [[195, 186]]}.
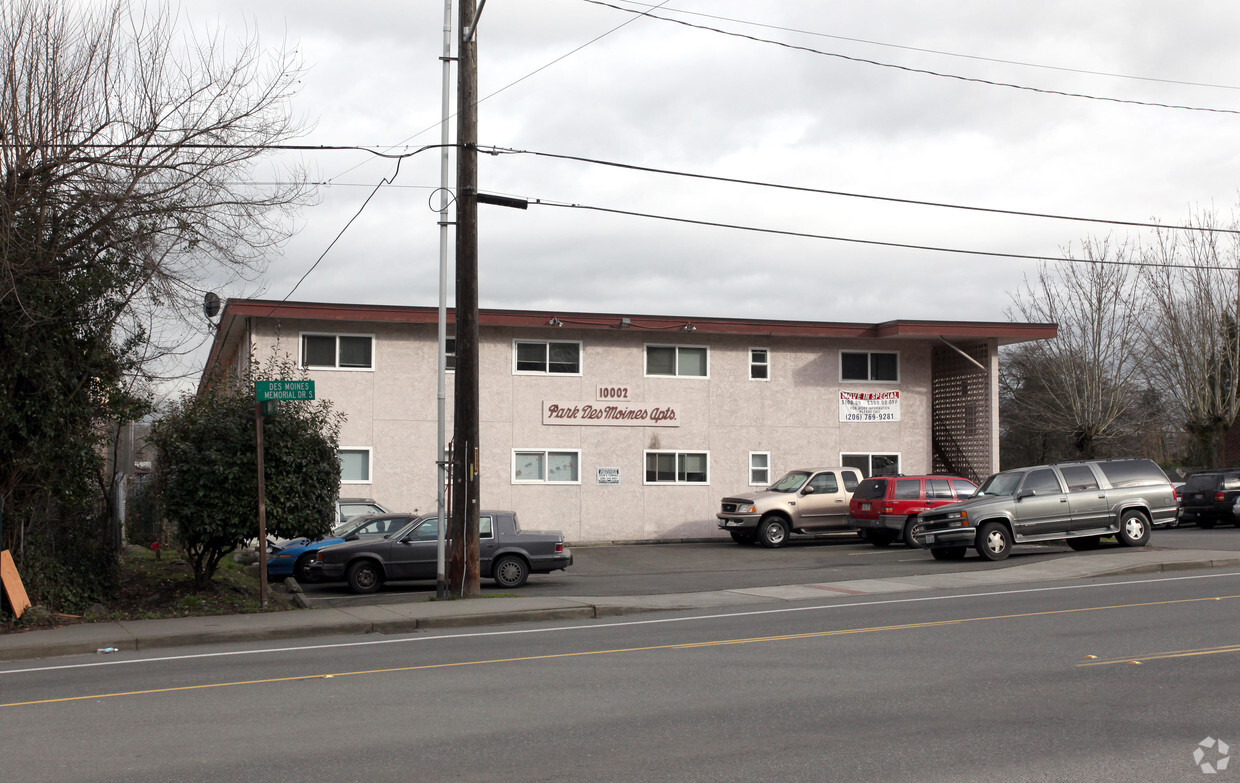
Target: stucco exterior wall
{"points": [[794, 416]]}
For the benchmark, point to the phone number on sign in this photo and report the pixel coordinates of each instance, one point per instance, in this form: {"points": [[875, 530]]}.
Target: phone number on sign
{"points": [[869, 417]]}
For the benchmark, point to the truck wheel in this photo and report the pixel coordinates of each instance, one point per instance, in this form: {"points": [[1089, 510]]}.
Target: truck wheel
{"points": [[949, 552], [1134, 529], [994, 542], [742, 536], [907, 535], [365, 577], [772, 532]]}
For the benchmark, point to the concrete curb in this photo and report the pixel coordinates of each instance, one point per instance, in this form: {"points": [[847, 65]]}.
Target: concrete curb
{"points": [[137, 635]]}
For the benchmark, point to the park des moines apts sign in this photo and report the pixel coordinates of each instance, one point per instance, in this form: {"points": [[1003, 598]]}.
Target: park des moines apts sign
{"points": [[610, 414]]}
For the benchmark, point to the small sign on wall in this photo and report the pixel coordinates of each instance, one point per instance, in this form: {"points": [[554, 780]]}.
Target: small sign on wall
{"points": [[608, 476], [870, 406]]}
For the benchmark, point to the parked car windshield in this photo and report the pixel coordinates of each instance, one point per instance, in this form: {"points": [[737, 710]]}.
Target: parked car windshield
{"points": [[351, 524], [790, 483], [1000, 484]]}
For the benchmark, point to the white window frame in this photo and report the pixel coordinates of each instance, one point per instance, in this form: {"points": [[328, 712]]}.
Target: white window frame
{"points": [[301, 351], [677, 482], [676, 373], [766, 454], [868, 472], [580, 358], [370, 464], [766, 364], [449, 355], [546, 453], [868, 365]]}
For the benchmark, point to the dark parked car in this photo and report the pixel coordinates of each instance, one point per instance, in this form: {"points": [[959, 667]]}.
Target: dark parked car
{"points": [[506, 553], [293, 558], [1207, 498]]}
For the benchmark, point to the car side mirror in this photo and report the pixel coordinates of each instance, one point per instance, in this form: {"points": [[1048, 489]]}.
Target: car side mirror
{"points": [[352, 537], [1026, 493], [807, 491]]}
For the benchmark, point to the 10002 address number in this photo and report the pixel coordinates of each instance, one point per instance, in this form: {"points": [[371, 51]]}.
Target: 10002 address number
{"points": [[869, 417]]}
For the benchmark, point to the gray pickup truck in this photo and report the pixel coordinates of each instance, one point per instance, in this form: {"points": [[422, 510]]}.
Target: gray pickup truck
{"points": [[1076, 502], [807, 500]]}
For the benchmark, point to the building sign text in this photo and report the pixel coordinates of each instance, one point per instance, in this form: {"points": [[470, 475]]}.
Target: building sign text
{"points": [[613, 415], [870, 406]]}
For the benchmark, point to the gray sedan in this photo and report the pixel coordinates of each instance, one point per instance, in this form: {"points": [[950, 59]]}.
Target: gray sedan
{"points": [[506, 554]]}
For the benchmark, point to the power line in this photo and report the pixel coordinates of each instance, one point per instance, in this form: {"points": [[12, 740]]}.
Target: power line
{"points": [[874, 242], [823, 191], [908, 69], [941, 52]]}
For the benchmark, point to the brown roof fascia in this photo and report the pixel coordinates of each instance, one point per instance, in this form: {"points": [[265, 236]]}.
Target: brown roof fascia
{"points": [[1004, 332]]}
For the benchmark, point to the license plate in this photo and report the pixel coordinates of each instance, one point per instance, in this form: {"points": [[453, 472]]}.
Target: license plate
{"points": [[929, 539], [865, 506]]}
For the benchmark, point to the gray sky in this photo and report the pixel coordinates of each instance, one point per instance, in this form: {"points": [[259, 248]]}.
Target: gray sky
{"points": [[659, 94]]}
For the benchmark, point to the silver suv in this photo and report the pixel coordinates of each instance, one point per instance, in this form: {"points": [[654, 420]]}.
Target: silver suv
{"points": [[1077, 502], [808, 500]]}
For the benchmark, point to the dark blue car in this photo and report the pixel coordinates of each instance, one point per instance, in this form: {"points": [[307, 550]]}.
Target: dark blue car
{"points": [[291, 557]]}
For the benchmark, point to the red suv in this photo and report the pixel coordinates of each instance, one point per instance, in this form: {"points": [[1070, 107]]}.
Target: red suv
{"points": [[885, 508]]}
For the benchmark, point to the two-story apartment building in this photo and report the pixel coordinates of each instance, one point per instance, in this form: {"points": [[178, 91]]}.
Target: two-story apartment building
{"points": [[616, 427]]}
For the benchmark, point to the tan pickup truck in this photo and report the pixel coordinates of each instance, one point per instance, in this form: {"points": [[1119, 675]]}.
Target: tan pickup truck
{"points": [[807, 500]]}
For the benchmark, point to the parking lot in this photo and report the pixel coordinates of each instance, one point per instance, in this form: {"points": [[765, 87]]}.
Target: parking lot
{"points": [[651, 569]]}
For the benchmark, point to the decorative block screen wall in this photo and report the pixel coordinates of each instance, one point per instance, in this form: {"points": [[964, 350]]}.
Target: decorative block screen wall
{"points": [[960, 409]]}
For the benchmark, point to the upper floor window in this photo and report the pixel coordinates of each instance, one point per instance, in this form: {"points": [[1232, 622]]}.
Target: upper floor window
{"points": [[759, 364], [869, 366], [759, 468], [677, 360], [544, 356], [449, 353], [338, 351]]}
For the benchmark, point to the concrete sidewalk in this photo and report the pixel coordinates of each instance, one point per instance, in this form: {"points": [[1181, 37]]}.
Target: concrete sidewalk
{"points": [[403, 618]]}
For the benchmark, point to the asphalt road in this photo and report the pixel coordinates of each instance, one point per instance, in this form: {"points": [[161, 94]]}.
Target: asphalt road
{"points": [[686, 568], [1118, 679]]}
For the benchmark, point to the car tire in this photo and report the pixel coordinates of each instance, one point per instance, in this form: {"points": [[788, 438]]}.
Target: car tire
{"points": [[907, 534], [1134, 528], [772, 532], [365, 576], [509, 571], [301, 570], [743, 537], [949, 552], [1084, 543], [994, 542]]}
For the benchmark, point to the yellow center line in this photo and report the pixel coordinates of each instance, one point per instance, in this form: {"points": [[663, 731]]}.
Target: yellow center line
{"points": [[1227, 648], [677, 646]]}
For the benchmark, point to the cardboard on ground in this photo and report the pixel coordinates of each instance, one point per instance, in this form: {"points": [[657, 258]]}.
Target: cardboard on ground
{"points": [[13, 584]]}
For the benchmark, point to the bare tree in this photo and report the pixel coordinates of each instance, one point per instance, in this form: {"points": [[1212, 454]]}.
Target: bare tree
{"points": [[1080, 384], [1192, 326], [124, 143]]}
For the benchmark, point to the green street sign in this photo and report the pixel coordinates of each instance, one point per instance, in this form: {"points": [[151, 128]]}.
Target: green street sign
{"points": [[283, 390]]}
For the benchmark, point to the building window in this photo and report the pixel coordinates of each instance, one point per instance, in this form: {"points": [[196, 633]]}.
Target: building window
{"points": [[759, 364], [338, 351], [872, 464], [354, 465], [545, 357], [677, 360], [759, 468], [869, 366], [677, 467], [449, 354], [545, 466]]}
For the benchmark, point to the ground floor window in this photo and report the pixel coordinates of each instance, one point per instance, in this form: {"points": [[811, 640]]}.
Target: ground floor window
{"points": [[872, 464], [546, 466], [677, 467], [354, 465], [759, 468]]}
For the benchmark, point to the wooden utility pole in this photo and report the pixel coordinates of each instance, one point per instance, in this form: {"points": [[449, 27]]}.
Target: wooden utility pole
{"points": [[463, 576]]}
